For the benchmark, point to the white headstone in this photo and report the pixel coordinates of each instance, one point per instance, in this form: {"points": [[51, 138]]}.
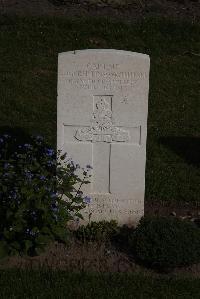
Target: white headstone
{"points": [[102, 121]]}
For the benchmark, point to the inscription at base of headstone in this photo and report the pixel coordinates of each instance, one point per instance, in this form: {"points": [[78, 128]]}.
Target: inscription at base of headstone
{"points": [[102, 121]]}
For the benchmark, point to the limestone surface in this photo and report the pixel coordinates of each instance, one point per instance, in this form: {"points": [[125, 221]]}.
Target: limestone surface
{"points": [[102, 121]]}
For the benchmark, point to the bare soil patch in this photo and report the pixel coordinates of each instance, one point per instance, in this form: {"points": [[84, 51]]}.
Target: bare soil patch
{"points": [[89, 257], [103, 257]]}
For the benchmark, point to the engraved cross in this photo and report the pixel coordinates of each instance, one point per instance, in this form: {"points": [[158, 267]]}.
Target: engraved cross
{"points": [[103, 135]]}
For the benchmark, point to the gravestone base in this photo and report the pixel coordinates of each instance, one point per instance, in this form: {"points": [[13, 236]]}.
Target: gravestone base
{"points": [[124, 211]]}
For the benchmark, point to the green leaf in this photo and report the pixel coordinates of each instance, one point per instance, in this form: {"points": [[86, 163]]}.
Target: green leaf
{"points": [[39, 249], [61, 233], [16, 245], [28, 245], [19, 227], [9, 214], [79, 215], [63, 156], [43, 239], [4, 188]]}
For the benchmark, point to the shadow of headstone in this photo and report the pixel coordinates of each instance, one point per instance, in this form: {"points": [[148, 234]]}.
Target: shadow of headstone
{"points": [[188, 148], [18, 135]]}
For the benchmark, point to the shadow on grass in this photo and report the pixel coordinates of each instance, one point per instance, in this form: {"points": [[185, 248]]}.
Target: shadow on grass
{"points": [[18, 135], [188, 148]]}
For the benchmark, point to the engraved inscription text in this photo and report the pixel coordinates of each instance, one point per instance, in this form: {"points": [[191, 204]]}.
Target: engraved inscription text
{"points": [[104, 76]]}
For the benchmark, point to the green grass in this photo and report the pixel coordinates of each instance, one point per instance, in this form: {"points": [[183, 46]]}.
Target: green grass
{"points": [[28, 74], [60, 284]]}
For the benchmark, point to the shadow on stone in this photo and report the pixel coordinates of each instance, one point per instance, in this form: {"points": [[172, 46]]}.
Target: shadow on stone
{"points": [[187, 148]]}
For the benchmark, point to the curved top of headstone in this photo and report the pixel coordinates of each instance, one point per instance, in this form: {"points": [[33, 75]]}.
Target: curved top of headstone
{"points": [[106, 51]]}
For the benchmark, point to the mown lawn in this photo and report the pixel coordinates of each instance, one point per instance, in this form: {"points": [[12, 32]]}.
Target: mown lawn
{"points": [[28, 74], [60, 284]]}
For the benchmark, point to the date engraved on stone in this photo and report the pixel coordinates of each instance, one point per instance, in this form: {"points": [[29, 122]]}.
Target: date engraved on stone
{"points": [[102, 128]]}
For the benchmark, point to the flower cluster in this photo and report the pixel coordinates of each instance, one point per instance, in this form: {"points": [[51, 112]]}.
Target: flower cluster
{"points": [[40, 191]]}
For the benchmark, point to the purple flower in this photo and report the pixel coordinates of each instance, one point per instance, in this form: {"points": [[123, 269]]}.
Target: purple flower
{"points": [[6, 165], [39, 137], [28, 174], [54, 207], [30, 232], [50, 163], [88, 166], [87, 199], [27, 145], [34, 214], [6, 174], [42, 178], [50, 152], [13, 195], [6, 136], [53, 194]]}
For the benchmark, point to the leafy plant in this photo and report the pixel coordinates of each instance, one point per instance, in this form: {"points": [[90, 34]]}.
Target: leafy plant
{"points": [[97, 231], [123, 238], [166, 242], [40, 191]]}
